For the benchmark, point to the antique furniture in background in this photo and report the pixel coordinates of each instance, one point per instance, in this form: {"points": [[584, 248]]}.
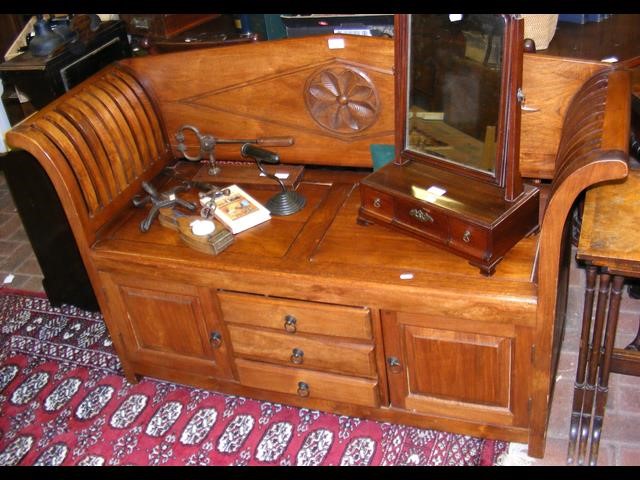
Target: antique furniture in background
{"points": [[172, 32], [310, 309], [551, 77], [455, 181], [609, 247], [164, 25], [44, 79]]}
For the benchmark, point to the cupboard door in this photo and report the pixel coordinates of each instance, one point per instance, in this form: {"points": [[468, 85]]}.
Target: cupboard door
{"points": [[436, 370], [167, 325]]}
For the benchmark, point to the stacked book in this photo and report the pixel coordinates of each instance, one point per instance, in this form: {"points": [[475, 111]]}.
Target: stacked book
{"points": [[238, 210]]}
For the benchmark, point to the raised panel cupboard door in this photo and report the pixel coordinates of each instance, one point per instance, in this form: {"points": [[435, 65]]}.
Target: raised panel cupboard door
{"points": [[445, 372], [168, 325]]}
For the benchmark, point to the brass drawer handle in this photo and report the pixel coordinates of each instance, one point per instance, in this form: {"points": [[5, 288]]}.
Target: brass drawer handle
{"points": [[290, 323], [394, 364], [377, 203], [215, 339], [466, 236], [420, 215], [297, 356], [303, 389]]}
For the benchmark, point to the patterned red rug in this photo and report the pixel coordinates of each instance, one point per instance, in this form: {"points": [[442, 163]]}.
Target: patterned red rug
{"points": [[64, 401]]}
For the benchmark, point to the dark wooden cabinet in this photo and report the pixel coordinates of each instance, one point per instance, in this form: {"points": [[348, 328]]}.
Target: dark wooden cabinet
{"points": [[44, 78]]}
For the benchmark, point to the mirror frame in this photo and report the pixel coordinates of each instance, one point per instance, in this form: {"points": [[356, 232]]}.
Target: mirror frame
{"points": [[507, 173]]}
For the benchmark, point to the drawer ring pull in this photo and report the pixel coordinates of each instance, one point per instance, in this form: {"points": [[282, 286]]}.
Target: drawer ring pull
{"points": [[466, 236], [303, 389], [297, 356], [215, 339], [394, 364], [377, 203], [421, 215], [290, 323]]}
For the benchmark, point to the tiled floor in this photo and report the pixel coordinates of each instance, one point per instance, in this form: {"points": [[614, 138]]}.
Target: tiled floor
{"points": [[620, 444]]}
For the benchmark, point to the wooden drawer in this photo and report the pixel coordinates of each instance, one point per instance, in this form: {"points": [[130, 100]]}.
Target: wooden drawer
{"points": [[469, 238], [376, 202], [325, 386], [294, 316], [320, 353], [428, 221]]}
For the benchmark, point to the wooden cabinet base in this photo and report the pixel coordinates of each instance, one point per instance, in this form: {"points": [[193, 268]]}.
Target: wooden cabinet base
{"points": [[318, 317]]}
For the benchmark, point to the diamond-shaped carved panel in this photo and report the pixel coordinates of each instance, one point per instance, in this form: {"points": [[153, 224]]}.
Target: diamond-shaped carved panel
{"points": [[302, 100]]}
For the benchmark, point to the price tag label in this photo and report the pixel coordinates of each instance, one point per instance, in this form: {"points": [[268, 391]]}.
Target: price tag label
{"points": [[336, 43]]}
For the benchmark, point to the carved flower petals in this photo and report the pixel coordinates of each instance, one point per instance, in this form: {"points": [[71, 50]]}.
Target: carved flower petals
{"points": [[347, 119], [329, 81], [360, 93], [342, 99], [322, 93], [347, 80], [361, 109]]}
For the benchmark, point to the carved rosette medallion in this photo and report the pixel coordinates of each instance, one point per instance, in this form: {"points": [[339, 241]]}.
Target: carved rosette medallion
{"points": [[342, 99]]}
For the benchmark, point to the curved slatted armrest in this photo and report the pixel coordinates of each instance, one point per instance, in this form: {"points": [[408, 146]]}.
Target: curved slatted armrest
{"points": [[97, 143], [593, 149]]}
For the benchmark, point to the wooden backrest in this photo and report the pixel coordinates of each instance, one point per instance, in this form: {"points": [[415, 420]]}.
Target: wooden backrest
{"points": [[334, 94], [593, 149], [97, 143]]}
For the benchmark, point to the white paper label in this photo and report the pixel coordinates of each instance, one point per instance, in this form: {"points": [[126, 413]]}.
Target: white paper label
{"points": [[430, 194], [406, 276], [336, 43], [363, 32], [280, 175], [9, 278], [436, 191]]}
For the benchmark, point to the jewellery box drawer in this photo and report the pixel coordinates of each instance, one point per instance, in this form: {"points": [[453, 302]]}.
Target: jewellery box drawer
{"points": [[294, 316], [308, 383], [426, 220], [376, 202], [468, 238], [319, 353]]}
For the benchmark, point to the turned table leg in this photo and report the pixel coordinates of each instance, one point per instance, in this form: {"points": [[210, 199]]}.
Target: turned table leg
{"points": [[583, 354], [602, 388], [593, 362]]}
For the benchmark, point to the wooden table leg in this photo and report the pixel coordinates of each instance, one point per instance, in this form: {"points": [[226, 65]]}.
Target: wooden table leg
{"points": [[633, 293], [581, 371], [602, 388], [593, 362], [635, 344]]}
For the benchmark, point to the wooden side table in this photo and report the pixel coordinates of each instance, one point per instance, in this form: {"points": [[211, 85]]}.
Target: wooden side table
{"points": [[610, 247]]}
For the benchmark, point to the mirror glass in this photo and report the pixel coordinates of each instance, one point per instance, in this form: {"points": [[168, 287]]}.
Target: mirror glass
{"points": [[454, 87]]}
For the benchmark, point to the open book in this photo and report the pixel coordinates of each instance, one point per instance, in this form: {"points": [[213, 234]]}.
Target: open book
{"points": [[239, 211]]}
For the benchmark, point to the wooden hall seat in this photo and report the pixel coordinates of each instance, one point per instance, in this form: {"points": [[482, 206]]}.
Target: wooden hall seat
{"points": [[448, 349]]}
